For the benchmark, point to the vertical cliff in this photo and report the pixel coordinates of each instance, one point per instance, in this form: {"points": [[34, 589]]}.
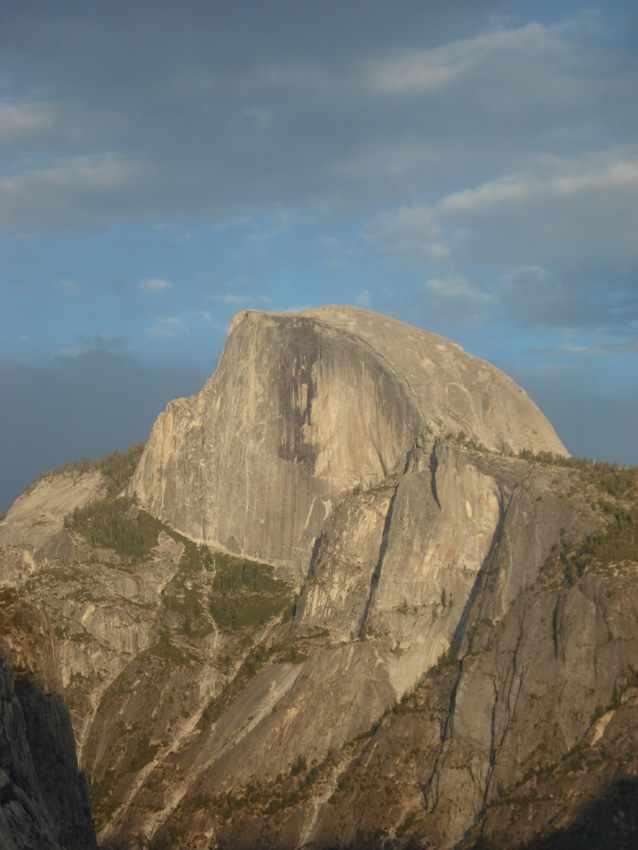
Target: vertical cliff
{"points": [[302, 409]]}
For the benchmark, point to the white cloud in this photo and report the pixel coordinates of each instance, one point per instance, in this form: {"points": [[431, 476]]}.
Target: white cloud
{"points": [[418, 72], [347, 135], [81, 173], [155, 284], [431, 70], [456, 287], [21, 120], [555, 179], [50, 193], [506, 190], [423, 71], [557, 208]]}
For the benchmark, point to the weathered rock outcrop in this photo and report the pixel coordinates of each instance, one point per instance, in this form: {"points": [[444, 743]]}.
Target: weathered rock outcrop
{"points": [[35, 522], [419, 631], [305, 407]]}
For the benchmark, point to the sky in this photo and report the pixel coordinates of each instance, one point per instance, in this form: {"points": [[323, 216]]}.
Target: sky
{"points": [[470, 167]]}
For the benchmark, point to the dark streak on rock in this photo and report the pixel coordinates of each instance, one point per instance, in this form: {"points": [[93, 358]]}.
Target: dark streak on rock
{"points": [[300, 350]]}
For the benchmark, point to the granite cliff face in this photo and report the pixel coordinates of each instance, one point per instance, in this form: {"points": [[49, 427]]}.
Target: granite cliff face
{"points": [[353, 592], [304, 408]]}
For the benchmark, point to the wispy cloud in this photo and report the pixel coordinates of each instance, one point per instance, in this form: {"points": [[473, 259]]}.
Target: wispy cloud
{"points": [[82, 173], [153, 285], [558, 207], [526, 274], [424, 71], [21, 120], [456, 287], [609, 171], [69, 187]]}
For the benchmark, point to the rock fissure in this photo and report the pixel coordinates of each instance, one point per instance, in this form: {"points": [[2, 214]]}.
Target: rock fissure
{"points": [[376, 573], [434, 462]]}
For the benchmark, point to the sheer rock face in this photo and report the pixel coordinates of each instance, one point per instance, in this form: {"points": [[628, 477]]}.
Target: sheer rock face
{"points": [[305, 407]]}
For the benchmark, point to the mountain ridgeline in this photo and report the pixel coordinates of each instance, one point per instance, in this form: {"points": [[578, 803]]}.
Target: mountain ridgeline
{"points": [[354, 593]]}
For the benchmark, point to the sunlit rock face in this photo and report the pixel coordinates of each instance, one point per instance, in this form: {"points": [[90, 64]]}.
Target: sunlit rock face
{"points": [[304, 408]]}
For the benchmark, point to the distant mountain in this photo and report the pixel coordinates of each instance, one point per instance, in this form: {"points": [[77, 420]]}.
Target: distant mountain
{"points": [[353, 593]]}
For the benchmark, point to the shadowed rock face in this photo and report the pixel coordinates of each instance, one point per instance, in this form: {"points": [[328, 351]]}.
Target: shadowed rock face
{"points": [[447, 637], [303, 408], [43, 799]]}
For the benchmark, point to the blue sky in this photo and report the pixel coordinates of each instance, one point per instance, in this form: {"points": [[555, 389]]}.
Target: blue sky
{"points": [[469, 167]]}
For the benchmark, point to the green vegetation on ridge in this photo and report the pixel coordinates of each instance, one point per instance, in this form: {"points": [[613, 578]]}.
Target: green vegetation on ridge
{"points": [[245, 593], [241, 594], [238, 594], [615, 479], [116, 467], [117, 524]]}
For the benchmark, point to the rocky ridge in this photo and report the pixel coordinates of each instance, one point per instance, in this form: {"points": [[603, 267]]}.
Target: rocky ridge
{"points": [[355, 592]]}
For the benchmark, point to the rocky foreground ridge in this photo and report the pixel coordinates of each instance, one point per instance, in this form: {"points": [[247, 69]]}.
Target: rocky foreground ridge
{"points": [[354, 592]]}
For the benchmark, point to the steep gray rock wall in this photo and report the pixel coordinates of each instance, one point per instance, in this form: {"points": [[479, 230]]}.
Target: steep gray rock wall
{"points": [[305, 407]]}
